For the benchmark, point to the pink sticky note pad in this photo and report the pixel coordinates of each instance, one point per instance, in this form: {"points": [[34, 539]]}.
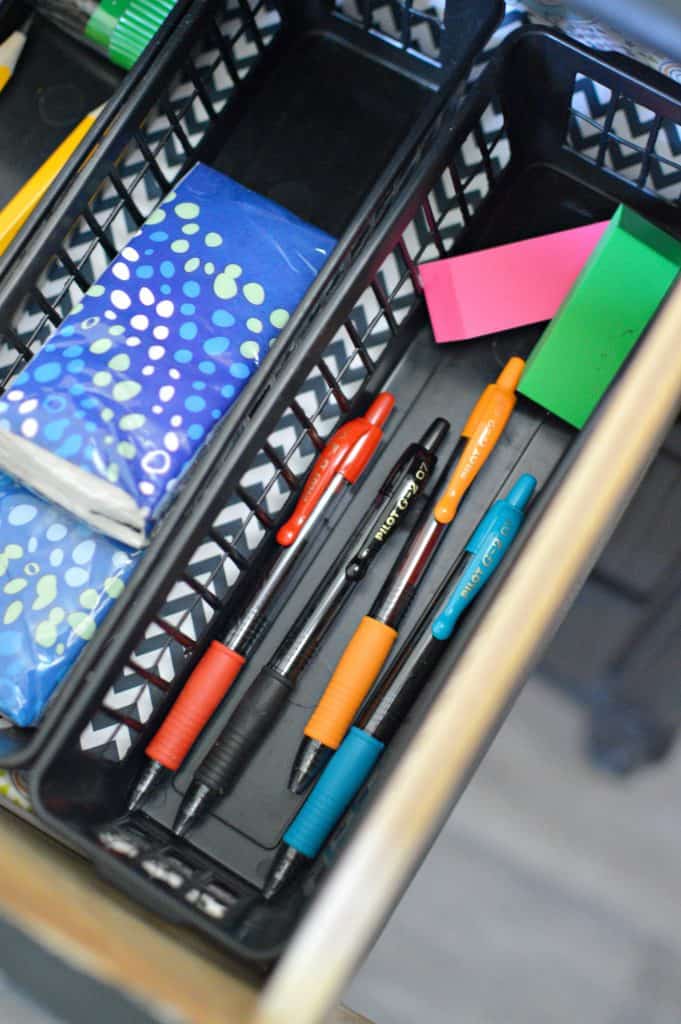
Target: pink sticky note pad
{"points": [[506, 286]]}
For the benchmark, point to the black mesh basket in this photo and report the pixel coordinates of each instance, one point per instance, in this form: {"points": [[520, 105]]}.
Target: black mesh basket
{"points": [[270, 93], [538, 146]]}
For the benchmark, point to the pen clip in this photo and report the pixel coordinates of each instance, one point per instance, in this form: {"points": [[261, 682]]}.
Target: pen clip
{"points": [[400, 490], [487, 545], [387, 488], [483, 429], [346, 453]]}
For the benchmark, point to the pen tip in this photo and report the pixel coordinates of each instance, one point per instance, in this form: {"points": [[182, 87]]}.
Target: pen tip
{"points": [[146, 782], [272, 887], [182, 823], [136, 799], [284, 867], [312, 757], [298, 782], [190, 809]]}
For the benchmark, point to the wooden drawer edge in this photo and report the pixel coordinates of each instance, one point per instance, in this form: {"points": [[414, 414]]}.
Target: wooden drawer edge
{"points": [[56, 898]]}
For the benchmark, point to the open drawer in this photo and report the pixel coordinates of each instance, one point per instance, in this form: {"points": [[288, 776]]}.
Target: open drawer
{"points": [[471, 177], [474, 176]]}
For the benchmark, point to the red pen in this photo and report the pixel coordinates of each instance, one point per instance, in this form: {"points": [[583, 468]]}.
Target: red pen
{"points": [[338, 466]]}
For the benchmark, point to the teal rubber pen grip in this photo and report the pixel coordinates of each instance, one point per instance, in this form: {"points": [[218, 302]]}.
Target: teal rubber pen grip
{"points": [[337, 785]]}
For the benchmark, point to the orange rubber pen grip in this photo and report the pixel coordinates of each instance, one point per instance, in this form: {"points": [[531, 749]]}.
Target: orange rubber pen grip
{"points": [[351, 681], [200, 696]]}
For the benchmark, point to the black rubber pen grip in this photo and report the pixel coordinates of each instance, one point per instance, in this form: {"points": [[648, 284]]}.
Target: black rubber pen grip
{"points": [[253, 718], [404, 680]]}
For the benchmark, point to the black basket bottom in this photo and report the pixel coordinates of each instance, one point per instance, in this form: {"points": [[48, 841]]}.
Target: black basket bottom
{"points": [[247, 826], [429, 380]]}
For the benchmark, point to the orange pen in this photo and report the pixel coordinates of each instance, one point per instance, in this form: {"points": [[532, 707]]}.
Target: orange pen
{"points": [[339, 465], [367, 651]]}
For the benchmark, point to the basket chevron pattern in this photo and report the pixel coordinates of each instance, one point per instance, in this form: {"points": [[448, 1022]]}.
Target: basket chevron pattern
{"points": [[416, 25], [626, 138]]}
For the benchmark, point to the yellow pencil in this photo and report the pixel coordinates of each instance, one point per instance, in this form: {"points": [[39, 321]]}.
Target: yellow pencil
{"points": [[10, 52], [29, 195]]}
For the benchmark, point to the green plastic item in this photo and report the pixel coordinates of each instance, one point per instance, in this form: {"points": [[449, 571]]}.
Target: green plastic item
{"points": [[125, 27], [620, 288], [103, 20]]}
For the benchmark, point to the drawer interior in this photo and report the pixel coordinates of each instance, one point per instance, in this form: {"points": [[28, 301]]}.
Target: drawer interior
{"points": [[56, 82], [479, 178]]}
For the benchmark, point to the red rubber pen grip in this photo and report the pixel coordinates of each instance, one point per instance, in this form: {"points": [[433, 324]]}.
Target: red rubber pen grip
{"points": [[200, 696]]}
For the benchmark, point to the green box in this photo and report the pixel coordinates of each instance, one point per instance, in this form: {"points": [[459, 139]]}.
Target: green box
{"points": [[620, 288]]}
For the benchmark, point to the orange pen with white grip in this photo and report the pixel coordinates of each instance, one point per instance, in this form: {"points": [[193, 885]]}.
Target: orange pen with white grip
{"points": [[368, 650], [339, 465]]}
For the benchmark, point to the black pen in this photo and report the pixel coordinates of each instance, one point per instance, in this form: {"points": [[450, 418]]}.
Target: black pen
{"points": [[354, 760], [264, 700]]}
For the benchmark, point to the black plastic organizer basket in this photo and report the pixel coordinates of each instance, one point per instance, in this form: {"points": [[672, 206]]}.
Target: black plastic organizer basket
{"points": [[282, 96], [523, 155]]}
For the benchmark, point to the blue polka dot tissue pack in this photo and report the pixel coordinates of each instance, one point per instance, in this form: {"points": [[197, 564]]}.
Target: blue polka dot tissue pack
{"points": [[110, 413]]}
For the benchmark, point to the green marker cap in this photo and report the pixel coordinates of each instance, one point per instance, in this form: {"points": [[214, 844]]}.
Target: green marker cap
{"points": [[126, 27], [136, 28]]}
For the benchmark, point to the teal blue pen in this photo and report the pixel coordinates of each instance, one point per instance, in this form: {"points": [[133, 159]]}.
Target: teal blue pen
{"points": [[399, 686]]}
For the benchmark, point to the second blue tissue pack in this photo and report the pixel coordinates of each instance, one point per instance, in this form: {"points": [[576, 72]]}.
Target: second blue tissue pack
{"points": [[58, 579]]}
